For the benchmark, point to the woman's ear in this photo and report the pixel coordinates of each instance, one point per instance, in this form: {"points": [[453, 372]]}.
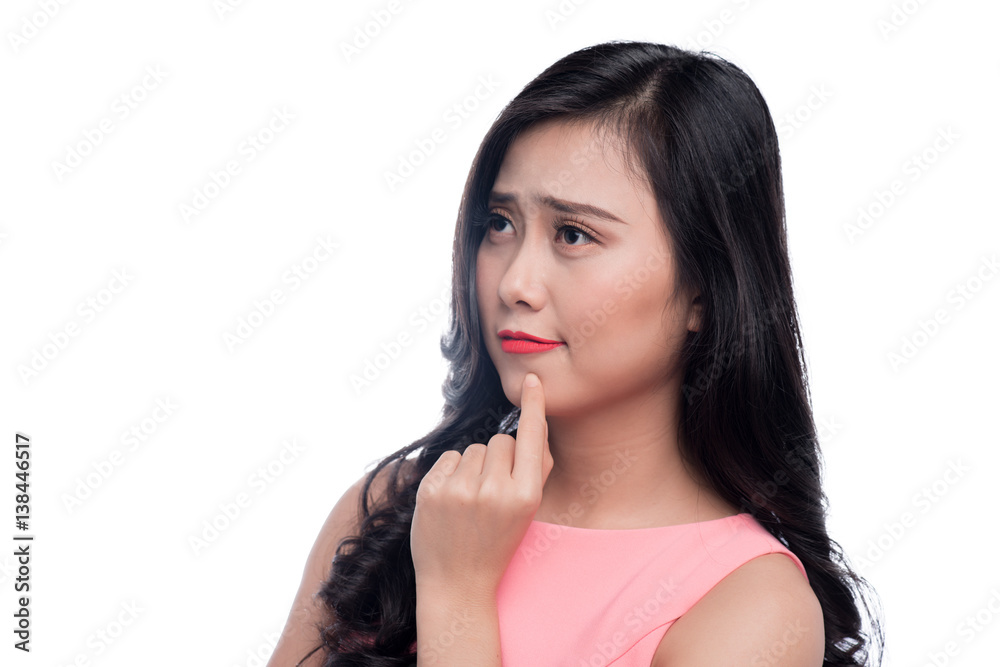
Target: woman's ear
{"points": [[694, 316]]}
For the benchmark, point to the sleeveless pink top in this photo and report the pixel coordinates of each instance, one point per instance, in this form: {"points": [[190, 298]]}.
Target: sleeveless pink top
{"points": [[585, 597]]}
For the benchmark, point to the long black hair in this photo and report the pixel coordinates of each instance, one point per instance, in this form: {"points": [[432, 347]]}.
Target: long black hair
{"points": [[699, 131]]}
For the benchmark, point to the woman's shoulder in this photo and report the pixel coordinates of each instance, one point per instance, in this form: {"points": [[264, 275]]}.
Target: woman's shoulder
{"points": [[344, 520], [763, 608], [345, 517]]}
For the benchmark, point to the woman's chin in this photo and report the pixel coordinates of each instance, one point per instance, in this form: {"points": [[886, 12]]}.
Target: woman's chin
{"points": [[512, 390], [512, 387]]}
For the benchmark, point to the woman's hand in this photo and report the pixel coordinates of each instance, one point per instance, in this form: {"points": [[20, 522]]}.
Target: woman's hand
{"points": [[473, 509]]}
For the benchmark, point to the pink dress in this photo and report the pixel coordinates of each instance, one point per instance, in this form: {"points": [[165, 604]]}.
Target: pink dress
{"points": [[585, 597]]}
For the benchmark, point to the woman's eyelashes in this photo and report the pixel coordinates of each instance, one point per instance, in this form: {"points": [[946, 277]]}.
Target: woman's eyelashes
{"points": [[577, 230]]}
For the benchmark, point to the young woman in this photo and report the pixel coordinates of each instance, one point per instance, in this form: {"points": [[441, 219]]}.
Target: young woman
{"points": [[627, 470]]}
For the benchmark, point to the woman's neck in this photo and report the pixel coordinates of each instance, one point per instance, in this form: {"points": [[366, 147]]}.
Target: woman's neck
{"points": [[621, 467]]}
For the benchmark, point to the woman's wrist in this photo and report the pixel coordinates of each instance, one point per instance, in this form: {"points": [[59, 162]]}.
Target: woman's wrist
{"points": [[457, 626], [455, 594]]}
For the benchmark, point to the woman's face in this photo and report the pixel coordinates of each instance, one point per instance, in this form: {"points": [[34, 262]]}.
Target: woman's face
{"points": [[553, 266]]}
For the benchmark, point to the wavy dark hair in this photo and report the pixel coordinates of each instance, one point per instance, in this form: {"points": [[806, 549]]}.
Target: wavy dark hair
{"points": [[698, 130]]}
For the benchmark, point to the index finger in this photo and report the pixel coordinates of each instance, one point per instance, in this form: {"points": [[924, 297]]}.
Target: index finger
{"points": [[529, 445]]}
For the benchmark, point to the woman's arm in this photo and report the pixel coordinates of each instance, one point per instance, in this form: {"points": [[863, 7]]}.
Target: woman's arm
{"points": [[455, 628], [300, 635]]}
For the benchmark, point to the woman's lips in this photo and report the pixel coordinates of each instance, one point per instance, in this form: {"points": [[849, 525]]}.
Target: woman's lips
{"points": [[518, 342], [519, 346]]}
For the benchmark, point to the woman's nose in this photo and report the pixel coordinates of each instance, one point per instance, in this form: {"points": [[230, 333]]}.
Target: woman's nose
{"points": [[523, 280]]}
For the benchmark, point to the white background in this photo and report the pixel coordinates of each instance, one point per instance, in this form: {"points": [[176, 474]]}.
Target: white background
{"points": [[889, 431]]}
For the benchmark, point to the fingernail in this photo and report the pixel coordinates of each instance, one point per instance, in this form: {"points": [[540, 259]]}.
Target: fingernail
{"points": [[531, 380]]}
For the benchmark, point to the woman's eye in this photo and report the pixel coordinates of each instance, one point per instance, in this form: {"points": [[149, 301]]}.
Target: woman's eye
{"points": [[576, 233], [571, 233], [495, 218]]}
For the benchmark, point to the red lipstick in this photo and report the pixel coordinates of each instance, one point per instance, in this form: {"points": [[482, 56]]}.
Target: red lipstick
{"points": [[518, 342]]}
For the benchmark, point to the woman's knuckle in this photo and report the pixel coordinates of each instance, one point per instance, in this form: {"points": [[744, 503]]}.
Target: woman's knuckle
{"points": [[501, 438], [427, 488], [464, 494], [490, 491], [450, 455], [525, 499]]}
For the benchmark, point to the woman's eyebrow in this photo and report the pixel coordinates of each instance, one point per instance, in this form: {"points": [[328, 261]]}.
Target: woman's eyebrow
{"points": [[561, 205]]}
